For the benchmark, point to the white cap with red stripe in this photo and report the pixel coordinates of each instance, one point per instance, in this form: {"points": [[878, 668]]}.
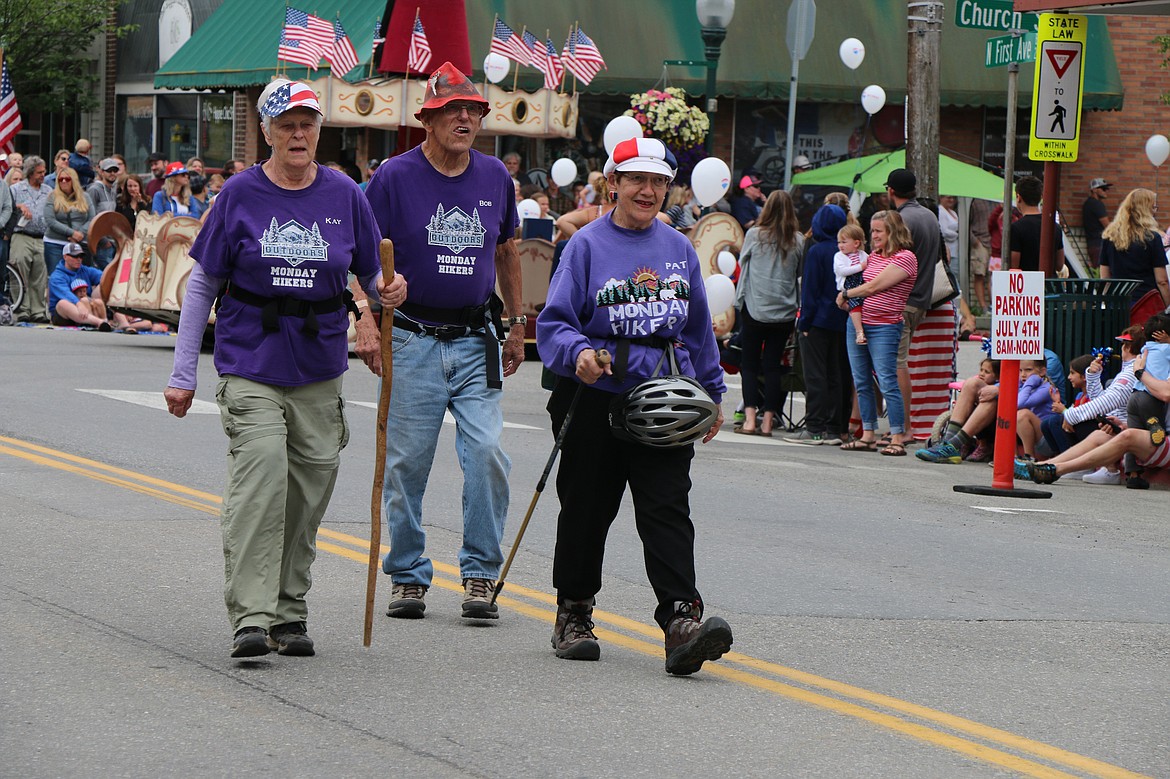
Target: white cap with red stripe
{"points": [[644, 155]]}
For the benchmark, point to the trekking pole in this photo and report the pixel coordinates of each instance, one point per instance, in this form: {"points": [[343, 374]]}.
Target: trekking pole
{"points": [[603, 358], [386, 251]]}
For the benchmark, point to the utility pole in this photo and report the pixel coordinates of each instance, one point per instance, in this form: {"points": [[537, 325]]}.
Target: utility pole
{"points": [[923, 63]]}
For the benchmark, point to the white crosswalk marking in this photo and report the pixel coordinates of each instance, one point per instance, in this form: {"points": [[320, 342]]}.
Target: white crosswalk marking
{"points": [[153, 400], [447, 418]]}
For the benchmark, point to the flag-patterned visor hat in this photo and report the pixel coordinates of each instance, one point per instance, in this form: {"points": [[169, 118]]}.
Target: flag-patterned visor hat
{"points": [[644, 155], [290, 95], [447, 84]]}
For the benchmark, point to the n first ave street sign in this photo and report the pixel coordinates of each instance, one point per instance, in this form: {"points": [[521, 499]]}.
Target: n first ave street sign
{"points": [[1010, 48], [1056, 95], [992, 15]]}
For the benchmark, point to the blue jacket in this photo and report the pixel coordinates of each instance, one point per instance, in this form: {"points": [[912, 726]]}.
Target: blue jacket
{"points": [[161, 204], [61, 283], [84, 168], [818, 288]]}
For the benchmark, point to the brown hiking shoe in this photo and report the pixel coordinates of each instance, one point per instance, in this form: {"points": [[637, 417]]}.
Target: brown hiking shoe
{"points": [[573, 637], [477, 599], [690, 642], [406, 601]]}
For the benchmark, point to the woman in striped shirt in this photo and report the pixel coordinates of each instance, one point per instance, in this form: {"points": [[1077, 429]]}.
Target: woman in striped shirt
{"points": [[889, 278]]}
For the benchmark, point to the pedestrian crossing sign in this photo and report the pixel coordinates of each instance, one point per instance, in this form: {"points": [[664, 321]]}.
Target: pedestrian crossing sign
{"points": [[1056, 93]]}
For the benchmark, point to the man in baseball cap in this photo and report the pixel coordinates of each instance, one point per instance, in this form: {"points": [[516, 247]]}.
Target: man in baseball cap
{"points": [[451, 213], [69, 286], [1095, 218]]}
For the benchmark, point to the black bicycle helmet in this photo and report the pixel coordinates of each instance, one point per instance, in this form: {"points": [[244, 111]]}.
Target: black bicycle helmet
{"points": [[664, 412]]}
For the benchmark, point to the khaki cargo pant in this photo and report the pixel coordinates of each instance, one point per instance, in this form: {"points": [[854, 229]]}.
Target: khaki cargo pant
{"points": [[284, 450]]}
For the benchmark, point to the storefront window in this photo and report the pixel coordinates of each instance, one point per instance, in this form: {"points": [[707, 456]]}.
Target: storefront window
{"points": [[136, 118], [216, 119], [178, 126]]}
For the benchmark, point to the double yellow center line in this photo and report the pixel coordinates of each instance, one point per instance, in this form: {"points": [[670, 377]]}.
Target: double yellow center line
{"points": [[973, 739]]}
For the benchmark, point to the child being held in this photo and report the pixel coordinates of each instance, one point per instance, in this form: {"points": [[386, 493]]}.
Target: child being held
{"points": [[848, 264]]}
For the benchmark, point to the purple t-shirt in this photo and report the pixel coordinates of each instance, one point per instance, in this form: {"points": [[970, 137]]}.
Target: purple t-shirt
{"points": [[277, 242], [445, 229], [616, 283]]}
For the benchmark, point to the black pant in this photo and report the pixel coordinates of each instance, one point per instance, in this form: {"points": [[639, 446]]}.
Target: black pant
{"points": [[828, 381], [763, 352], [592, 477]]}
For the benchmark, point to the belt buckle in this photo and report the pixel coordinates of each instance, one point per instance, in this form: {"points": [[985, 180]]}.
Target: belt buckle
{"points": [[449, 332]]}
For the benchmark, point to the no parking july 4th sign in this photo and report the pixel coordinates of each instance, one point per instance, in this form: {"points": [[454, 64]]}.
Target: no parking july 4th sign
{"points": [[1017, 315], [1056, 94]]}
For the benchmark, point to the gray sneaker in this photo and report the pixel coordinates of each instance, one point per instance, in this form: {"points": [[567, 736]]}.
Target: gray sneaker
{"points": [[6, 318], [807, 438], [477, 599], [406, 601], [833, 439]]}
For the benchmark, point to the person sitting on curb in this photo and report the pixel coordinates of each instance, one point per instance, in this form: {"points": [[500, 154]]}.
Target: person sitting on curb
{"points": [[974, 410], [70, 300], [1101, 449]]}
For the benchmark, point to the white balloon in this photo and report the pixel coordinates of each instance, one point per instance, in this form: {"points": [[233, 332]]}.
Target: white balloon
{"points": [[720, 293], [852, 53], [528, 209], [564, 172], [873, 98], [621, 128], [1158, 149], [726, 262], [710, 180], [495, 67]]}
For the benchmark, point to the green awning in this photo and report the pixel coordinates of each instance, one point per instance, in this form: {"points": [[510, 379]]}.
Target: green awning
{"points": [[635, 38], [236, 46]]}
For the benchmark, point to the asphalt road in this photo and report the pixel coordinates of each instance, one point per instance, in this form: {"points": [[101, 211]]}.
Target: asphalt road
{"points": [[884, 624]]}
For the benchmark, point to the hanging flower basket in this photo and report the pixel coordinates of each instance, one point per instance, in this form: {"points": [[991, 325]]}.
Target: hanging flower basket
{"points": [[665, 115]]}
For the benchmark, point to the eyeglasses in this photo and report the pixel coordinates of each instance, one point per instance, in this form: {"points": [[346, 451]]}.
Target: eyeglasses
{"points": [[454, 109], [639, 180]]}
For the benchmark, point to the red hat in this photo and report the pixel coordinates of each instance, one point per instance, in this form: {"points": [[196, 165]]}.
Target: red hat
{"points": [[175, 169], [447, 84]]}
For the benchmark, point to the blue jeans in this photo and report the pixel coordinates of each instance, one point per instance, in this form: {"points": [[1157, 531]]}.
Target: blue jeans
{"points": [[53, 255], [879, 356], [430, 377]]}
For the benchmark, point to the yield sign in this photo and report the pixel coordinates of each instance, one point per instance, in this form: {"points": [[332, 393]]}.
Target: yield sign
{"points": [[1061, 59]]}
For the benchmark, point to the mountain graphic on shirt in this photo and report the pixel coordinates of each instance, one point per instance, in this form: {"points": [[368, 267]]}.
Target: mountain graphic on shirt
{"points": [[454, 230], [643, 286], [294, 243]]}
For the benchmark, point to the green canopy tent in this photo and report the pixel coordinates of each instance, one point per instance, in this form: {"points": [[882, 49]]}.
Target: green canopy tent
{"points": [[868, 174]]}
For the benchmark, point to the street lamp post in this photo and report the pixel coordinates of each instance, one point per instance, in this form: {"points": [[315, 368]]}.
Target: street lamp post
{"points": [[714, 16]]}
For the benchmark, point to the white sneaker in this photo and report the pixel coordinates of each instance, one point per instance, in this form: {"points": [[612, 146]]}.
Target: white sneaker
{"points": [[1103, 476], [1077, 474]]}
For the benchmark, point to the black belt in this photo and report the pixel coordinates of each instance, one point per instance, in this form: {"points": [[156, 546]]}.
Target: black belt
{"points": [[30, 235], [621, 357], [271, 309], [458, 323]]}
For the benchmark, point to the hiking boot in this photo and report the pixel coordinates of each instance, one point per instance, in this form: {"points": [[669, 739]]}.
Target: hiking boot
{"points": [[1157, 431], [980, 454], [250, 642], [807, 438], [942, 453], [406, 601], [477, 599], [690, 642], [1042, 473], [291, 639], [1020, 467], [573, 637]]}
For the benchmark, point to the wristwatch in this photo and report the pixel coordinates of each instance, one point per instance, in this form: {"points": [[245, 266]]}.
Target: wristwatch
{"points": [[1139, 373], [521, 320]]}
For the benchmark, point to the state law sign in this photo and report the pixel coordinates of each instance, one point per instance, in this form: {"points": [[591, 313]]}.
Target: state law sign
{"points": [[1017, 315], [1056, 93]]}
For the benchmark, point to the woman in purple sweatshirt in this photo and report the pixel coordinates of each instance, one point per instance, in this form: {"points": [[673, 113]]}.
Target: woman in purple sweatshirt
{"points": [[632, 285]]}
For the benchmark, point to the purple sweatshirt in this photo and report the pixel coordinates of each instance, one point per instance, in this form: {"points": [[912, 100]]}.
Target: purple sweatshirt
{"points": [[1034, 395], [617, 283]]}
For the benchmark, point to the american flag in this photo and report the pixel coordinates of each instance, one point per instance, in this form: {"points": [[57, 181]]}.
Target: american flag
{"points": [[581, 56], [532, 43], [9, 111], [305, 38], [508, 43], [288, 96], [418, 56], [342, 56], [545, 60], [379, 38]]}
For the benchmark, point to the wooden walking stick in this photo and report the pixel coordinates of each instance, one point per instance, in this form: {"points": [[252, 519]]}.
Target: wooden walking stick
{"points": [[386, 250]]}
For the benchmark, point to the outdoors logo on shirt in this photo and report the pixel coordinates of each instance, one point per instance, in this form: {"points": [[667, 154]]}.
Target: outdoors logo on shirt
{"points": [[642, 303], [294, 243], [454, 230]]}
